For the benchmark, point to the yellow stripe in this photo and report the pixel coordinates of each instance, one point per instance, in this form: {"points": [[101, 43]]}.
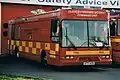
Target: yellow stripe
{"points": [[115, 40], [56, 47], [87, 52], [52, 52], [47, 46], [34, 50], [52, 56]]}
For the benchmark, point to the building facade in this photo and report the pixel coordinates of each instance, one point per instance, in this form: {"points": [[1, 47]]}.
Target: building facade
{"points": [[11, 11]]}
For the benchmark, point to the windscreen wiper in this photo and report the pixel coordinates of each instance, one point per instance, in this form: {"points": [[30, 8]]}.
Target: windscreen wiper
{"points": [[67, 38]]}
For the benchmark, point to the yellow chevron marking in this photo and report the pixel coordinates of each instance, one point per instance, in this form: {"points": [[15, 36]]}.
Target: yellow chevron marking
{"points": [[26, 49], [30, 44], [8, 42], [47, 46], [10, 46], [52, 52], [23, 43], [20, 48], [17, 43], [12, 42], [56, 47], [38, 45], [34, 50]]}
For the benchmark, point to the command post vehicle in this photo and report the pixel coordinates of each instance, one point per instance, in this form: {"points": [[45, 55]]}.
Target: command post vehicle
{"points": [[63, 37]]}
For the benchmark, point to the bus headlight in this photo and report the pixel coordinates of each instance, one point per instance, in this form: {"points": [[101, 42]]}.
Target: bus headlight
{"points": [[69, 57], [103, 57], [107, 56]]}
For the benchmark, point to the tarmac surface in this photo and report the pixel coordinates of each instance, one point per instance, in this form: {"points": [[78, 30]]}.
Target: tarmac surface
{"points": [[23, 67]]}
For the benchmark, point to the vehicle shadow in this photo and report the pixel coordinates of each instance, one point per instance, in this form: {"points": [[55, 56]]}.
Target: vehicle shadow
{"points": [[77, 69], [38, 66], [12, 60]]}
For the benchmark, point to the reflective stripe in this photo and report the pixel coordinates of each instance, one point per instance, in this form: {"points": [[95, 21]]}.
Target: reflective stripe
{"points": [[52, 52], [12, 42], [34, 50], [115, 40], [47, 46], [52, 56], [34, 47], [23, 43], [56, 47], [26, 49], [20, 48], [17, 43], [38, 45], [30, 44], [87, 52]]}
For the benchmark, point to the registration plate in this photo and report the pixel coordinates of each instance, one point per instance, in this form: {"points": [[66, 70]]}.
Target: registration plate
{"points": [[88, 63]]}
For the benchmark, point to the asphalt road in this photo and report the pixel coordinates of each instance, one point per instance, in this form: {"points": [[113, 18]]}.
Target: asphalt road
{"points": [[22, 67]]}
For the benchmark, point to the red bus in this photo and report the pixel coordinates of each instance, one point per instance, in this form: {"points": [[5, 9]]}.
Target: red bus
{"points": [[63, 37], [115, 37]]}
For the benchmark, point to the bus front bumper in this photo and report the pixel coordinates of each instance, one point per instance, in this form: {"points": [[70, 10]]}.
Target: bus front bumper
{"points": [[88, 63]]}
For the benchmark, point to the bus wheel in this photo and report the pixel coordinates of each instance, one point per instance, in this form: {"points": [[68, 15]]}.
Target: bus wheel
{"points": [[16, 53], [11, 52], [44, 59]]}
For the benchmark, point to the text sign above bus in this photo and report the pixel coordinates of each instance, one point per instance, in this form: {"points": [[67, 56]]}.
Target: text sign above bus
{"points": [[99, 3], [85, 14]]}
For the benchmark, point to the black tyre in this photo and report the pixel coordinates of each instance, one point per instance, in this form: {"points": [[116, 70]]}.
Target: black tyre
{"points": [[44, 59], [16, 52]]}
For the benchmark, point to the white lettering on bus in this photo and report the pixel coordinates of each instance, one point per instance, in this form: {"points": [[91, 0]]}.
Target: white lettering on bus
{"points": [[86, 12]]}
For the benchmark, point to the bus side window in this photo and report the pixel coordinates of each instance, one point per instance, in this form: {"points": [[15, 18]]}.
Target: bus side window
{"points": [[5, 32], [17, 32], [54, 30], [13, 32], [112, 28]]}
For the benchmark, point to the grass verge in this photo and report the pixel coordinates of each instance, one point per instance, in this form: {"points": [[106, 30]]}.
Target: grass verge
{"points": [[14, 77]]}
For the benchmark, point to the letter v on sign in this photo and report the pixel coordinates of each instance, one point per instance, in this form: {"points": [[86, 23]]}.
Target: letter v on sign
{"points": [[113, 2]]}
